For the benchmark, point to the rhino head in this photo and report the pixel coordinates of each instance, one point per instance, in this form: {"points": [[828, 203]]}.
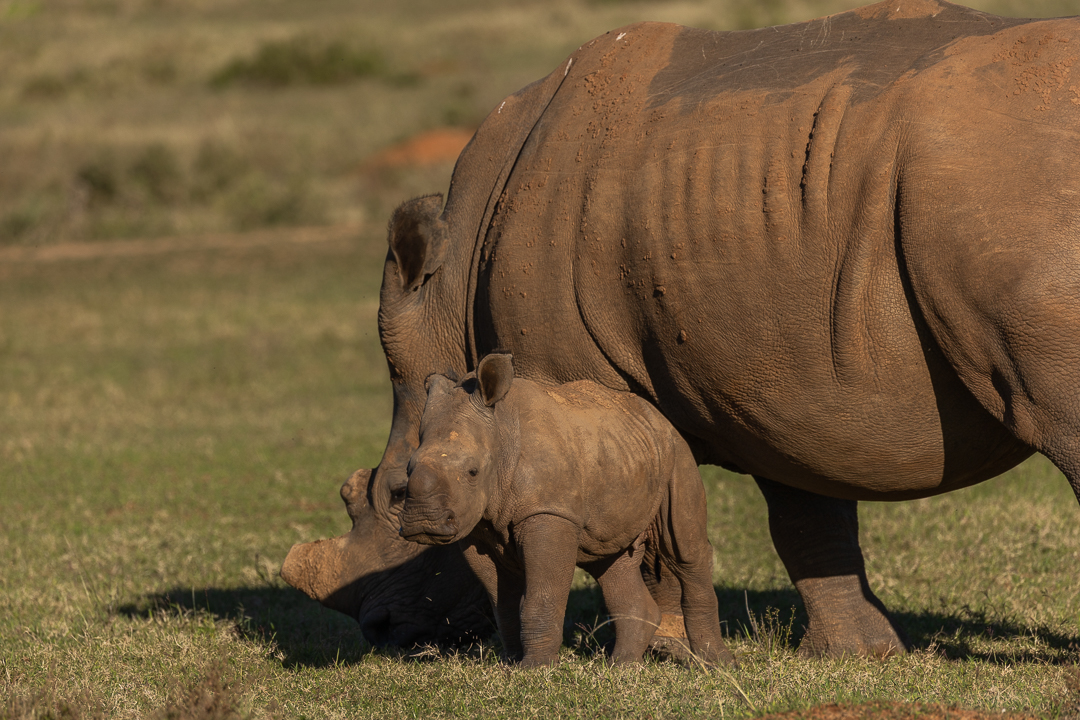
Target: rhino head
{"points": [[401, 592], [452, 474]]}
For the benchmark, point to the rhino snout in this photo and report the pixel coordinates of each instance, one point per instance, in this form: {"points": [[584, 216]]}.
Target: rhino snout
{"points": [[428, 523]]}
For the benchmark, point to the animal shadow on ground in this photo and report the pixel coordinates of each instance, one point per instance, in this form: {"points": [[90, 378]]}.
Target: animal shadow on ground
{"points": [[778, 618], [307, 634], [302, 631]]}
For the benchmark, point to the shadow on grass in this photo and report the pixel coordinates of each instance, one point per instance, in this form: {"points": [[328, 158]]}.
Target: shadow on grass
{"points": [[965, 634], [308, 634], [962, 634]]}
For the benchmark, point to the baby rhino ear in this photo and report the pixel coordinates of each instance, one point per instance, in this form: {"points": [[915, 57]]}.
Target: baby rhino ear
{"points": [[494, 376]]}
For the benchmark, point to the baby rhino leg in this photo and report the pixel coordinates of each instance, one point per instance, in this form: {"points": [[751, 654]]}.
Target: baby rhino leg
{"points": [[505, 588], [548, 545], [633, 609], [670, 639], [684, 546]]}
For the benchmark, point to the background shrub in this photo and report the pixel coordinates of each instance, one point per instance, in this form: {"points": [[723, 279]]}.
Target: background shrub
{"points": [[301, 60]]}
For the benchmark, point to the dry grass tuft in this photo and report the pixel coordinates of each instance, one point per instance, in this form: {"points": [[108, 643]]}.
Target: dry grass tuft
{"points": [[48, 704], [212, 697]]}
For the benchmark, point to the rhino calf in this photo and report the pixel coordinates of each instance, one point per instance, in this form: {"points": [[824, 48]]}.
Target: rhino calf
{"points": [[536, 480]]}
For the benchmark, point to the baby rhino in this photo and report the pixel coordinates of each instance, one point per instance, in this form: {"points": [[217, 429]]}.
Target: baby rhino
{"points": [[536, 480]]}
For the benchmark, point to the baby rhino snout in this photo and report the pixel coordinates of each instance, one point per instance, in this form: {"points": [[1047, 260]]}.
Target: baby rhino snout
{"points": [[423, 483], [426, 516]]}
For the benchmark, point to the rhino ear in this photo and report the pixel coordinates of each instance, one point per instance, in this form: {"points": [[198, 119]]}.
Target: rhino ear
{"points": [[355, 490], [418, 240], [494, 375]]}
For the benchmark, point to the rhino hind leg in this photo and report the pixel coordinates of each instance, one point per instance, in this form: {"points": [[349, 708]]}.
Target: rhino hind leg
{"points": [[629, 603], [669, 641], [817, 538]]}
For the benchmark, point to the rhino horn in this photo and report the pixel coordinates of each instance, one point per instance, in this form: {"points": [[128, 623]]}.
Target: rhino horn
{"points": [[317, 568]]}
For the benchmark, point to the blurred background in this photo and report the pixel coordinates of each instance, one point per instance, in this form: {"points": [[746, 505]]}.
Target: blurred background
{"points": [[151, 118]]}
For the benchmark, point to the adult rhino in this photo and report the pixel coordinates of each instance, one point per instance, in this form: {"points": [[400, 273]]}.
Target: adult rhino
{"points": [[842, 256]]}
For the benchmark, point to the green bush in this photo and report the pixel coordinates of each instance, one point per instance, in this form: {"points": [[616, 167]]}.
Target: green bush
{"points": [[157, 171], [45, 87], [759, 13], [17, 224], [258, 201], [100, 178], [217, 167], [300, 61]]}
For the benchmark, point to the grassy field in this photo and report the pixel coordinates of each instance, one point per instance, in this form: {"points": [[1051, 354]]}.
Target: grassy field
{"points": [[174, 420], [174, 423]]}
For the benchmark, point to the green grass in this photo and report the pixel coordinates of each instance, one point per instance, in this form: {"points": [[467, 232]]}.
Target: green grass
{"points": [[173, 424]]}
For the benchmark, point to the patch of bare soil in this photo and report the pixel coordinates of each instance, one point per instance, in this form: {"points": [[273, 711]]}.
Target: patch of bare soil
{"points": [[433, 147], [892, 711]]}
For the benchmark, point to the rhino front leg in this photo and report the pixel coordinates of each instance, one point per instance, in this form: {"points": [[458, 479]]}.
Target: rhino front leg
{"points": [[504, 590], [548, 546], [817, 538]]}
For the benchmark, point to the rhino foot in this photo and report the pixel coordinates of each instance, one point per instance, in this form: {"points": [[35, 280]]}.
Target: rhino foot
{"points": [[846, 618], [669, 641]]}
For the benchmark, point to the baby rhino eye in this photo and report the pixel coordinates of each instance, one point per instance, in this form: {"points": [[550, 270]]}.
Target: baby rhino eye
{"points": [[473, 471]]}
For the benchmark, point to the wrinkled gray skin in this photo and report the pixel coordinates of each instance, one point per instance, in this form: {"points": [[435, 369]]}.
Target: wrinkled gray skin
{"points": [[841, 256], [536, 480]]}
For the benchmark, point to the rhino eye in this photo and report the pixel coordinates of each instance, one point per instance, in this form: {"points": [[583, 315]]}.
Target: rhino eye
{"points": [[397, 495], [473, 471]]}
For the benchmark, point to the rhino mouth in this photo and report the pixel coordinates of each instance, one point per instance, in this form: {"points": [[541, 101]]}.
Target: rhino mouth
{"points": [[428, 524], [427, 534]]}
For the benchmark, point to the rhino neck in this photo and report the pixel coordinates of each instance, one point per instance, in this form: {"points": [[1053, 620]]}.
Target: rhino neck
{"points": [[486, 164]]}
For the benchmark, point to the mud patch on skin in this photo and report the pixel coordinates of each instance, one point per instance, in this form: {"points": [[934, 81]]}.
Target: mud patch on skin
{"points": [[1032, 65], [892, 711], [1033, 73], [584, 394]]}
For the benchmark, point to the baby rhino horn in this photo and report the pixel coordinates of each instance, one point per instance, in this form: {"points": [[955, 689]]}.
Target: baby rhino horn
{"points": [[494, 376]]}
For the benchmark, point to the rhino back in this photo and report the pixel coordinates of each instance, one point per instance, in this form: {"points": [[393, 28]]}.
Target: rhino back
{"points": [[719, 234], [598, 458]]}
